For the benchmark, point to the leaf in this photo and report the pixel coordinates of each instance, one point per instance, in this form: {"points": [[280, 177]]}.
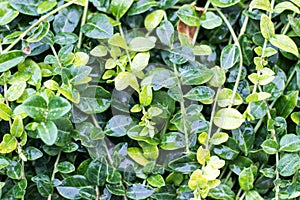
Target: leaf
{"points": [[188, 15], [67, 19], [17, 127], [27, 7], [229, 56], [146, 95], [141, 44], [156, 180], [33, 153], [35, 107], [139, 191], [125, 79], [65, 167], [118, 41], [202, 155], [222, 191], [258, 96], [39, 33], [97, 172], [282, 6], [65, 38], [165, 33], [288, 164], [14, 170], [284, 43], [218, 78], [197, 180], [16, 90], [253, 194], [246, 179], [47, 132], [211, 21], [200, 93], [290, 143], [224, 98], [141, 7], [99, 51], [98, 27], [118, 125], [7, 13], [140, 61], [218, 138], [8, 144], [286, 104], [46, 6], [5, 112], [295, 24], [186, 31], [10, 59], [267, 27], [295, 116], [172, 141], [270, 146], [228, 118], [136, 154], [224, 3], [58, 107], [261, 4], [120, 7], [153, 19]]}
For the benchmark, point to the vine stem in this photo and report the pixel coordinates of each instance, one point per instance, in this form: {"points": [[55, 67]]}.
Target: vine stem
{"points": [[83, 20], [55, 55], [54, 171], [44, 17], [127, 53], [236, 41], [183, 113]]}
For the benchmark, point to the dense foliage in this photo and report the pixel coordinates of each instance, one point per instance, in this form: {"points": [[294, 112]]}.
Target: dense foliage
{"points": [[168, 99]]}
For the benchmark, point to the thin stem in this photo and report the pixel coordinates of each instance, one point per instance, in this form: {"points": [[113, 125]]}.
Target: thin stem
{"points": [[83, 20], [127, 53], [55, 55], [183, 113], [6, 101], [213, 115], [54, 171], [236, 41], [36, 24], [97, 193], [245, 23]]}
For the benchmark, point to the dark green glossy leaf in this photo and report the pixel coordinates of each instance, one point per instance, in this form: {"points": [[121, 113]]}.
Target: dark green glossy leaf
{"points": [[139, 191], [28, 7], [67, 19], [229, 56], [288, 164], [120, 7], [10, 59], [47, 132], [98, 27], [189, 15]]}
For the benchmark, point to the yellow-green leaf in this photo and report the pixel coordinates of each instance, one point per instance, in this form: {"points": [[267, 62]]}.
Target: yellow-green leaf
{"points": [[5, 112], [16, 90], [266, 27], [284, 43], [228, 119], [153, 19], [202, 155], [261, 4], [136, 154], [8, 144], [17, 127]]}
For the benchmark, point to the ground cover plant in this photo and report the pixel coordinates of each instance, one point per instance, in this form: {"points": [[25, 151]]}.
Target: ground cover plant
{"points": [[168, 99]]}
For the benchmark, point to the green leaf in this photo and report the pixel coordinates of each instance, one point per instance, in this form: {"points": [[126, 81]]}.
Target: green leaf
{"points": [[146, 95], [67, 19], [97, 172], [229, 56], [261, 4], [210, 21], [270, 146], [165, 33], [228, 118], [284, 43], [33, 153], [295, 116], [286, 5], [267, 27], [286, 104], [224, 98], [189, 15], [99, 51], [140, 61], [118, 41], [141, 7], [58, 107], [258, 96], [27, 7], [19, 188], [118, 125], [222, 191], [125, 79], [203, 94], [39, 33], [65, 167], [10, 59], [224, 3], [218, 78], [288, 164], [246, 179], [253, 194], [17, 127], [46, 6], [136, 154], [47, 132], [290, 143], [65, 38], [8, 144], [5, 112], [7, 13], [35, 107], [14, 170], [141, 44], [156, 180], [153, 19], [172, 141], [218, 138], [139, 191], [202, 50], [16, 90], [197, 180], [295, 24], [120, 7], [98, 27]]}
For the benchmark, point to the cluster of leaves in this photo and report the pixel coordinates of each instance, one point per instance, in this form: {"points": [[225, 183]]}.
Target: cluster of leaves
{"points": [[103, 99]]}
